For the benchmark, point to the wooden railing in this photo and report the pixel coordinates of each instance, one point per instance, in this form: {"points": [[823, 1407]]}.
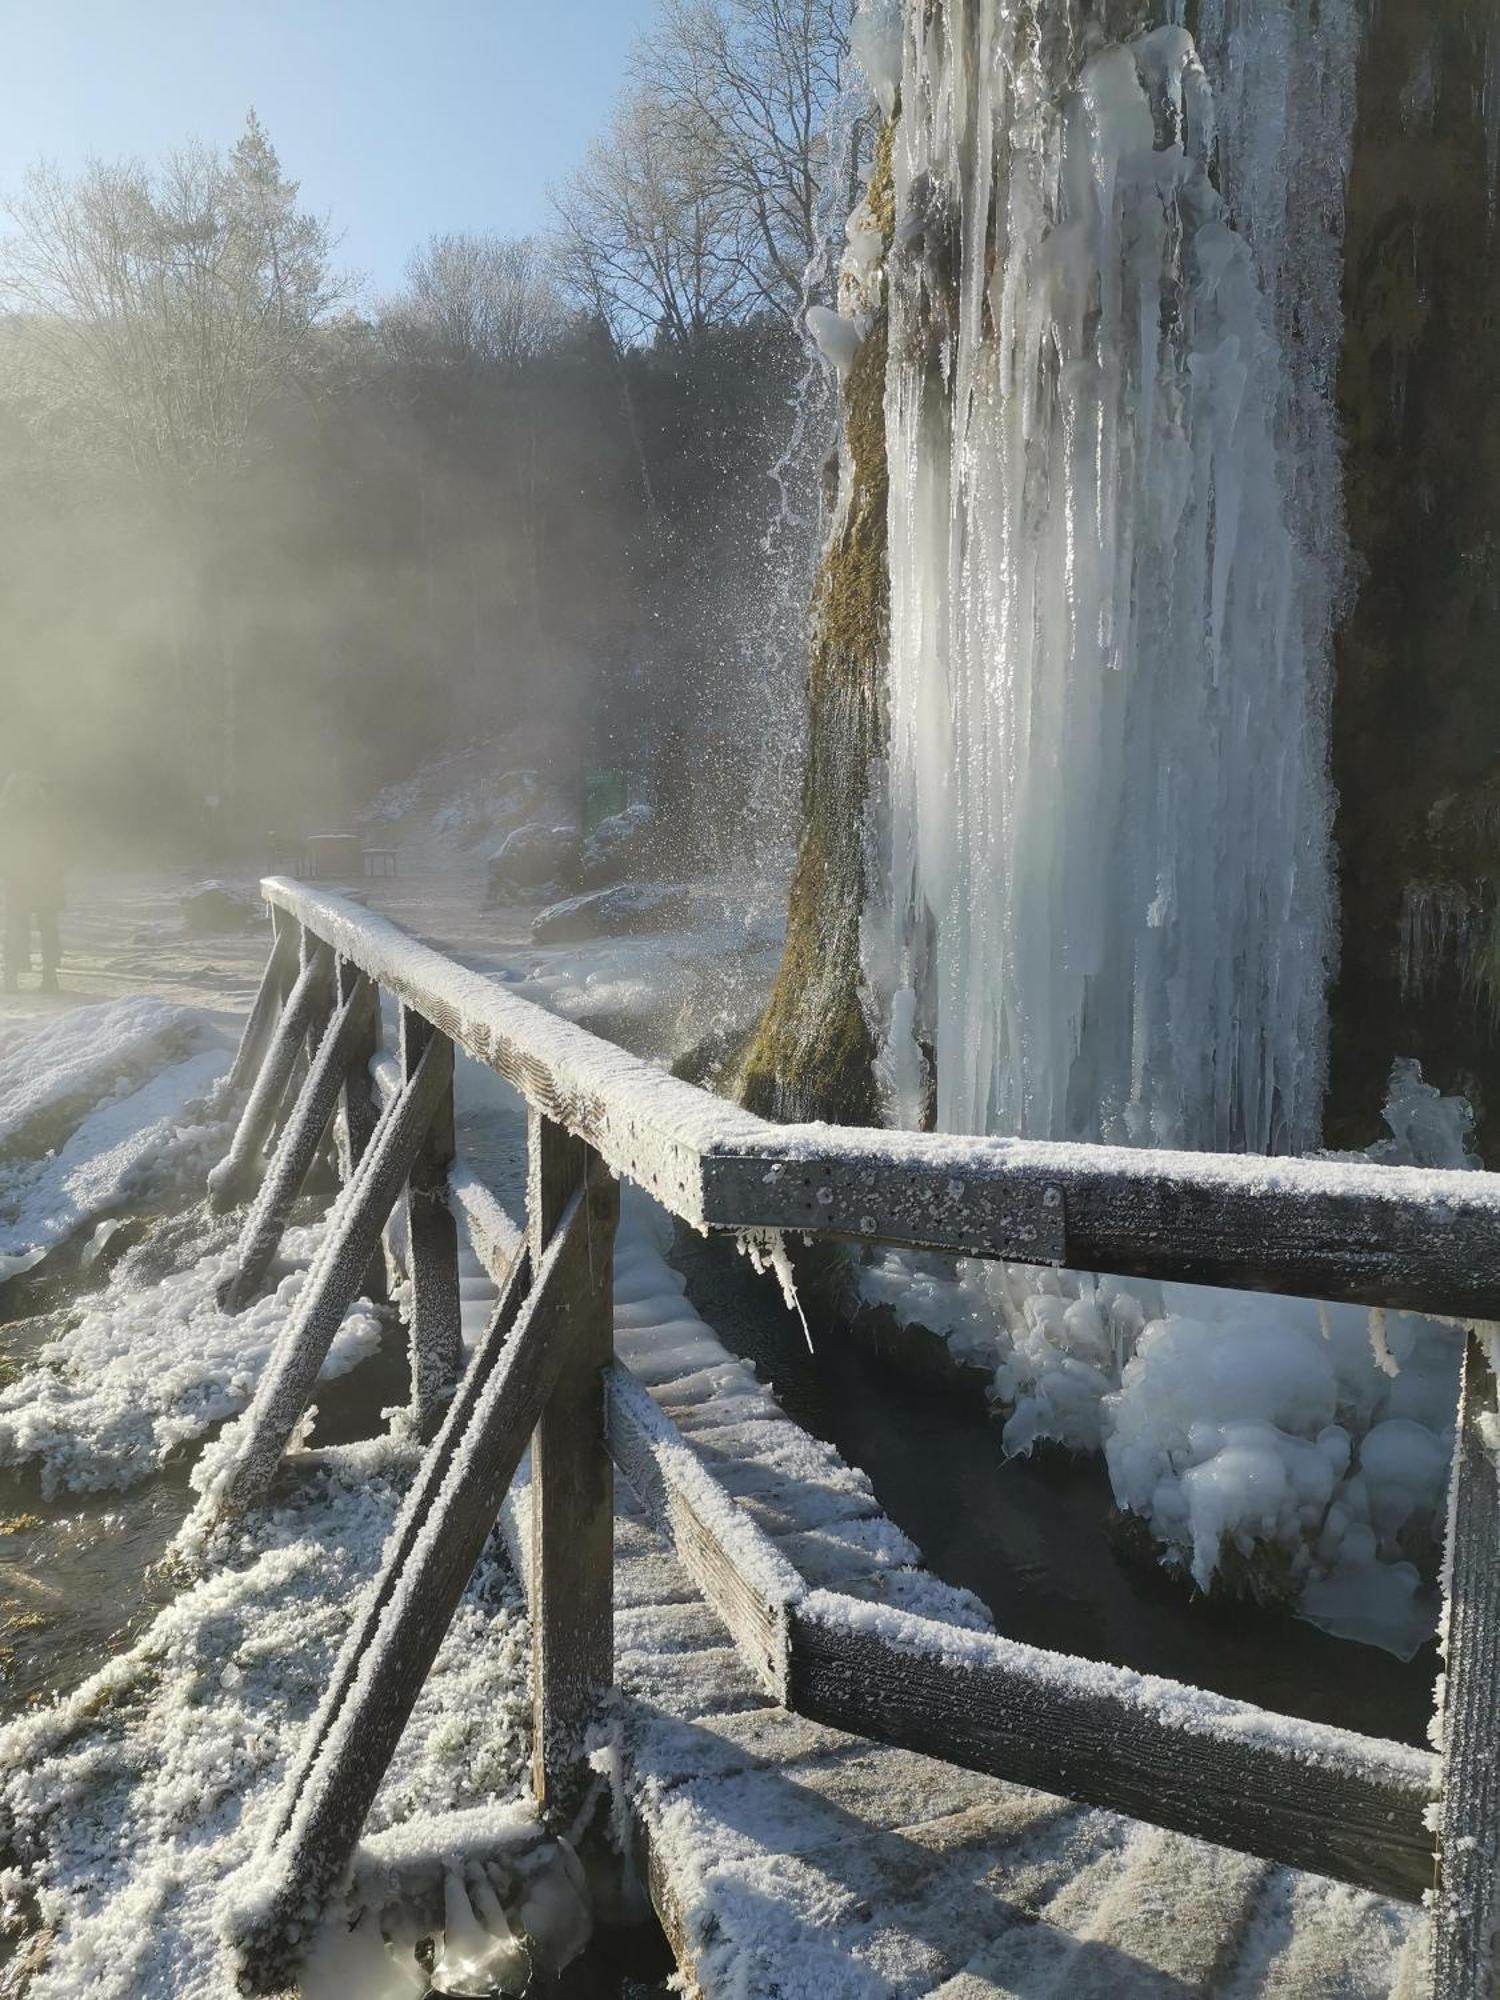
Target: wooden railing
{"points": [[1320, 1798]]}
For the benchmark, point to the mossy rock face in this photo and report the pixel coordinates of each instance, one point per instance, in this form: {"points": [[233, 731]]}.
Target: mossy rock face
{"points": [[1416, 712], [813, 1054]]}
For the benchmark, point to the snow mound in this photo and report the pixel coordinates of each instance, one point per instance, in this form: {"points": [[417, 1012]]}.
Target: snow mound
{"points": [[134, 1144], [51, 1075], [152, 1367]]}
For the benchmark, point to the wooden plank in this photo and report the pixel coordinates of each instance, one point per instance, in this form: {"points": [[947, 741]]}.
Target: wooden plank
{"points": [[261, 1021], [1464, 1942], [331, 1285], [572, 1487], [1317, 1798], [422, 1589], [241, 1165], [1403, 1236], [494, 1236], [359, 1110], [437, 1345], [1397, 1236], [266, 1219], [745, 1579], [416, 1509]]}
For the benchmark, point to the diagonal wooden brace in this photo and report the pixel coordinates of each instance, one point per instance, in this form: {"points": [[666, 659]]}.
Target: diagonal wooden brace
{"points": [[434, 1553], [298, 1146], [330, 1288], [232, 1178], [414, 1513], [281, 970]]}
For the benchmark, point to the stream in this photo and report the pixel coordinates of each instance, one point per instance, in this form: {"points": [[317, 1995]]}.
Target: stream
{"points": [[1031, 1537]]}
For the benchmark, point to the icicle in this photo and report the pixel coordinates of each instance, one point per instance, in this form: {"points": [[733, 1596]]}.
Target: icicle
{"points": [[766, 1249], [1380, 1346], [1116, 550], [477, 1958]]}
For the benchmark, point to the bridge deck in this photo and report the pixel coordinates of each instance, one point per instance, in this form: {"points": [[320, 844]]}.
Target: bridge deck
{"points": [[789, 1859]]}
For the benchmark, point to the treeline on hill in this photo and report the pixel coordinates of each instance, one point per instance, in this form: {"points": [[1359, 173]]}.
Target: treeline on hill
{"points": [[265, 544]]}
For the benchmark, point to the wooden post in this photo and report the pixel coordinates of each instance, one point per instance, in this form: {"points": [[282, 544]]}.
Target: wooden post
{"points": [[231, 1179], [432, 1237], [359, 1109], [572, 1488], [269, 995], [1468, 1858], [331, 1285], [428, 1561]]}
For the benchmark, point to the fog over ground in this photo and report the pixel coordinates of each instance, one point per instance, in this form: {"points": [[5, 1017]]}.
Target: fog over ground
{"points": [[268, 542]]}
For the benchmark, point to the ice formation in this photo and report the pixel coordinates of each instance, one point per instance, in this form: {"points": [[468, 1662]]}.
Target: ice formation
{"points": [[1303, 1446], [1115, 542]]}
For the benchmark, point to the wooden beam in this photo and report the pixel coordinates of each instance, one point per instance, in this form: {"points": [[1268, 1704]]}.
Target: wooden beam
{"points": [[746, 1579], [421, 1589], [416, 1509], [266, 1219], [359, 1109], [1398, 1236], [1465, 1963], [432, 1238], [494, 1236], [1317, 1798], [1402, 1236], [242, 1164], [261, 1021], [330, 1288], [572, 1486]]}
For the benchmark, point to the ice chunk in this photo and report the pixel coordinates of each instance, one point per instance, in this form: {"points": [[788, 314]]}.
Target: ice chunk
{"points": [[838, 337]]}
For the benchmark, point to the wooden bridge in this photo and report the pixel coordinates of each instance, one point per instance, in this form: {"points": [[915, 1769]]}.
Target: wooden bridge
{"points": [[804, 1643]]}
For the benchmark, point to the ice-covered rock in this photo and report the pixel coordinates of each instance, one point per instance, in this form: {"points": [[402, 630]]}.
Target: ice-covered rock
{"points": [[619, 847], [631, 908], [838, 337], [533, 856], [211, 907]]}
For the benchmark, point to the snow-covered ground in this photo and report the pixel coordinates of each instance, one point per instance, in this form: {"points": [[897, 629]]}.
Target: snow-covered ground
{"points": [[1237, 1426]]}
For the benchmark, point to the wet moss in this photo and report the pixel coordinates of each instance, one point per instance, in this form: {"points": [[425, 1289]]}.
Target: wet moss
{"points": [[812, 1055]]}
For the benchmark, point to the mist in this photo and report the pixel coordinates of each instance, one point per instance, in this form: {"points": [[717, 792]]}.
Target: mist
{"points": [[270, 544]]}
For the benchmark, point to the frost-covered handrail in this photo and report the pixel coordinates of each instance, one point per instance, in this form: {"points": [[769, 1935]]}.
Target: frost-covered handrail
{"points": [[1399, 1236]]}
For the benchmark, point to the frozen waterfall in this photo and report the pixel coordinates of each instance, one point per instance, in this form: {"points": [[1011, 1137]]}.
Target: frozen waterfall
{"points": [[1115, 549]]}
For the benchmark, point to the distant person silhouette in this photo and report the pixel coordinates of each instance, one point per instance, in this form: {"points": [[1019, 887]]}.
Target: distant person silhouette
{"points": [[31, 870]]}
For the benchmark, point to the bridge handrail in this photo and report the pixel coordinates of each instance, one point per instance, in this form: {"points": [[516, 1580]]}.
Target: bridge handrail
{"points": [[542, 1374], [1426, 1239]]}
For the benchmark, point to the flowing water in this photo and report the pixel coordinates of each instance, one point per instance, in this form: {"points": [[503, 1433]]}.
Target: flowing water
{"points": [[1032, 1537]]}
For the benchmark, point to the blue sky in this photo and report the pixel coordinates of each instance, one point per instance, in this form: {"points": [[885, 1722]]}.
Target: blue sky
{"points": [[399, 117]]}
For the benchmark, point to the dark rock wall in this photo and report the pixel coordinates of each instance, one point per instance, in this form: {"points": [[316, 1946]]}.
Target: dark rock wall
{"points": [[1416, 714]]}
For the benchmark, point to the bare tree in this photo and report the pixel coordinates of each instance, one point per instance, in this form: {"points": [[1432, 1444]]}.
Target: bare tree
{"points": [[757, 82], [157, 312], [647, 236], [475, 301], [154, 317]]}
